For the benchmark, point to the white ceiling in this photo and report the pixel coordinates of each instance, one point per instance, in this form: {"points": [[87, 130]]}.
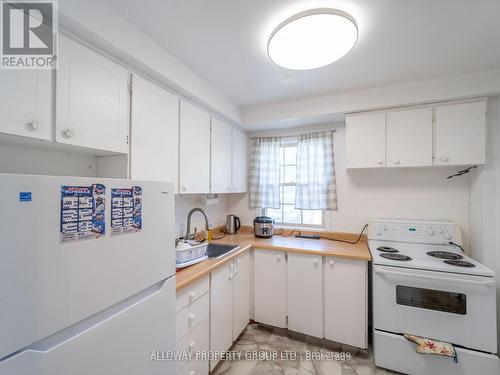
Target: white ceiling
{"points": [[224, 41]]}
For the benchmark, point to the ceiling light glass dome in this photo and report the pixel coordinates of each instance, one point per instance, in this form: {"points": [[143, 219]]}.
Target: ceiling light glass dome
{"points": [[312, 39]]}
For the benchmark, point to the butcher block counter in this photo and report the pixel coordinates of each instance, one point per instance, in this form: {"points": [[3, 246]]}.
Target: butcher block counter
{"points": [[285, 242]]}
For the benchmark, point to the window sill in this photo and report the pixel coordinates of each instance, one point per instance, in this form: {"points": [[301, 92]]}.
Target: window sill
{"points": [[301, 227]]}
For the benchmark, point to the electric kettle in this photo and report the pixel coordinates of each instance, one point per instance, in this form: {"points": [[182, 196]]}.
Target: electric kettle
{"points": [[233, 224]]}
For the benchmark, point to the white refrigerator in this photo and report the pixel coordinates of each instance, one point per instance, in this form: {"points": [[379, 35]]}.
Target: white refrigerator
{"points": [[87, 276]]}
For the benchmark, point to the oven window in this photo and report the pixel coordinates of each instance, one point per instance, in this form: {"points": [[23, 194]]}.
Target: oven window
{"points": [[438, 300]]}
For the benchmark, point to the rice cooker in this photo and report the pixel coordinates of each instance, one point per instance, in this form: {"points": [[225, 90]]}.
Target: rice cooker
{"points": [[263, 226]]}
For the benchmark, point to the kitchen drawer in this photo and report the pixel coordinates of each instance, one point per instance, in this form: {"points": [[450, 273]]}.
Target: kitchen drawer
{"points": [[196, 340], [195, 367], [190, 294], [192, 315]]}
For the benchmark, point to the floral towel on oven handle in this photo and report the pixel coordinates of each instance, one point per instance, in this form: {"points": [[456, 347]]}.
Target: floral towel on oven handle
{"points": [[430, 346]]}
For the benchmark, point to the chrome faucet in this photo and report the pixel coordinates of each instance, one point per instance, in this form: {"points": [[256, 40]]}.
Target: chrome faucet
{"points": [[208, 226]]}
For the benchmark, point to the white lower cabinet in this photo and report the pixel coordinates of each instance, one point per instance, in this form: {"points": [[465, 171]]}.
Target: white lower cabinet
{"points": [[270, 287], [305, 294], [345, 301], [230, 292], [241, 293], [221, 309], [192, 320]]}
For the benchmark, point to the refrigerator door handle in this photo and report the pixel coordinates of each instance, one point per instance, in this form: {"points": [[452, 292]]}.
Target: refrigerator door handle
{"points": [[47, 344]]}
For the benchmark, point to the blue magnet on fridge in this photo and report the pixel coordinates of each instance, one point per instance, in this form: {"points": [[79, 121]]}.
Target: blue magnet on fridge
{"points": [[25, 196]]}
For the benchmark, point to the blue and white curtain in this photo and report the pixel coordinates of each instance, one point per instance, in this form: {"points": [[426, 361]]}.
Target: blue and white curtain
{"points": [[264, 178], [316, 188]]}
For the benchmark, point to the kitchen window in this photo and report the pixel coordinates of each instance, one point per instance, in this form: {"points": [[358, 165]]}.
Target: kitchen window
{"points": [[287, 214]]}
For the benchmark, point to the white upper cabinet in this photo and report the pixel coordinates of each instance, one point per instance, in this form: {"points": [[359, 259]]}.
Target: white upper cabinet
{"points": [[92, 99], [240, 162], [365, 137], [154, 133], [221, 160], [26, 102], [460, 134], [409, 138], [270, 288], [194, 150], [305, 294]]}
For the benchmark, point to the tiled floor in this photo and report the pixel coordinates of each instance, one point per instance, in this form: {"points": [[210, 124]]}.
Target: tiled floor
{"points": [[259, 340]]}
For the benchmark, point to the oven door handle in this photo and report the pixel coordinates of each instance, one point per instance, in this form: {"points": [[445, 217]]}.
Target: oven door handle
{"points": [[489, 282]]}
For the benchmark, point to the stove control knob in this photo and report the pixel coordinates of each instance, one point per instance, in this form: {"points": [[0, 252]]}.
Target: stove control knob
{"points": [[441, 229], [447, 235], [430, 231], [378, 231]]}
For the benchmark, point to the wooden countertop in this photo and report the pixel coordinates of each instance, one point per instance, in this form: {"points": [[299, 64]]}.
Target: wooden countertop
{"points": [[246, 240]]}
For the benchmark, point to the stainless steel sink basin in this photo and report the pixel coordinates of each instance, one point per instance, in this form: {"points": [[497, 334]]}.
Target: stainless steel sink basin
{"points": [[217, 251]]}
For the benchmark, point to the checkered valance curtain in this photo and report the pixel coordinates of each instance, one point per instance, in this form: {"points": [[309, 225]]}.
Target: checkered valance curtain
{"points": [[316, 187], [264, 179]]}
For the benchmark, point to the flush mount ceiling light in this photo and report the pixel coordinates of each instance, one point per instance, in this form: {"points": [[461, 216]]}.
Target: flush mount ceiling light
{"points": [[312, 39]]}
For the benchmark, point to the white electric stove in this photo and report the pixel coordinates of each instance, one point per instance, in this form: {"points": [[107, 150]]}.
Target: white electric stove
{"points": [[424, 284]]}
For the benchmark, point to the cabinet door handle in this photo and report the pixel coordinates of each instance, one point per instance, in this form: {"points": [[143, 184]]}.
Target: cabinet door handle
{"points": [[230, 277], [444, 159], [278, 257], [315, 261], [380, 161], [192, 295], [331, 262], [191, 318], [35, 125], [184, 188], [397, 161], [68, 133]]}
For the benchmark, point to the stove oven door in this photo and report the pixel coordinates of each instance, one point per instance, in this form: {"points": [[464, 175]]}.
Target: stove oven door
{"points": [[460, 309]]}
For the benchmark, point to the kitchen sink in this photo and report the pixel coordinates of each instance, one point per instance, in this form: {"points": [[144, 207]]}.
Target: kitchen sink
{"points": [[217, 251]]}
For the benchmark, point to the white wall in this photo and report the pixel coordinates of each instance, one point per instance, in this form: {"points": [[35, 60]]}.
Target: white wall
{"points": [[440, 89], [28, 160], [184, 203], [419, 193], [485, 202]]}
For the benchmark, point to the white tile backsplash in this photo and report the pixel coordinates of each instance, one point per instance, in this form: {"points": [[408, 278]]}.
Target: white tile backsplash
{"points": [[184, 203]]}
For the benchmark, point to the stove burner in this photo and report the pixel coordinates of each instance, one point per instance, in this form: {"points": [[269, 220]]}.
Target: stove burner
{"points": [[393, 256], [387, 249], [460, 263], [444, 255]]}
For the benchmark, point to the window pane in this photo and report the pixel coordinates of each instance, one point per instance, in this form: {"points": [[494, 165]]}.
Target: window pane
{"points": [[291, 215], [288, 195], [290, 155], [282, 175], [282, 155], [312, 217], [289, 174], [275, 214]]}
